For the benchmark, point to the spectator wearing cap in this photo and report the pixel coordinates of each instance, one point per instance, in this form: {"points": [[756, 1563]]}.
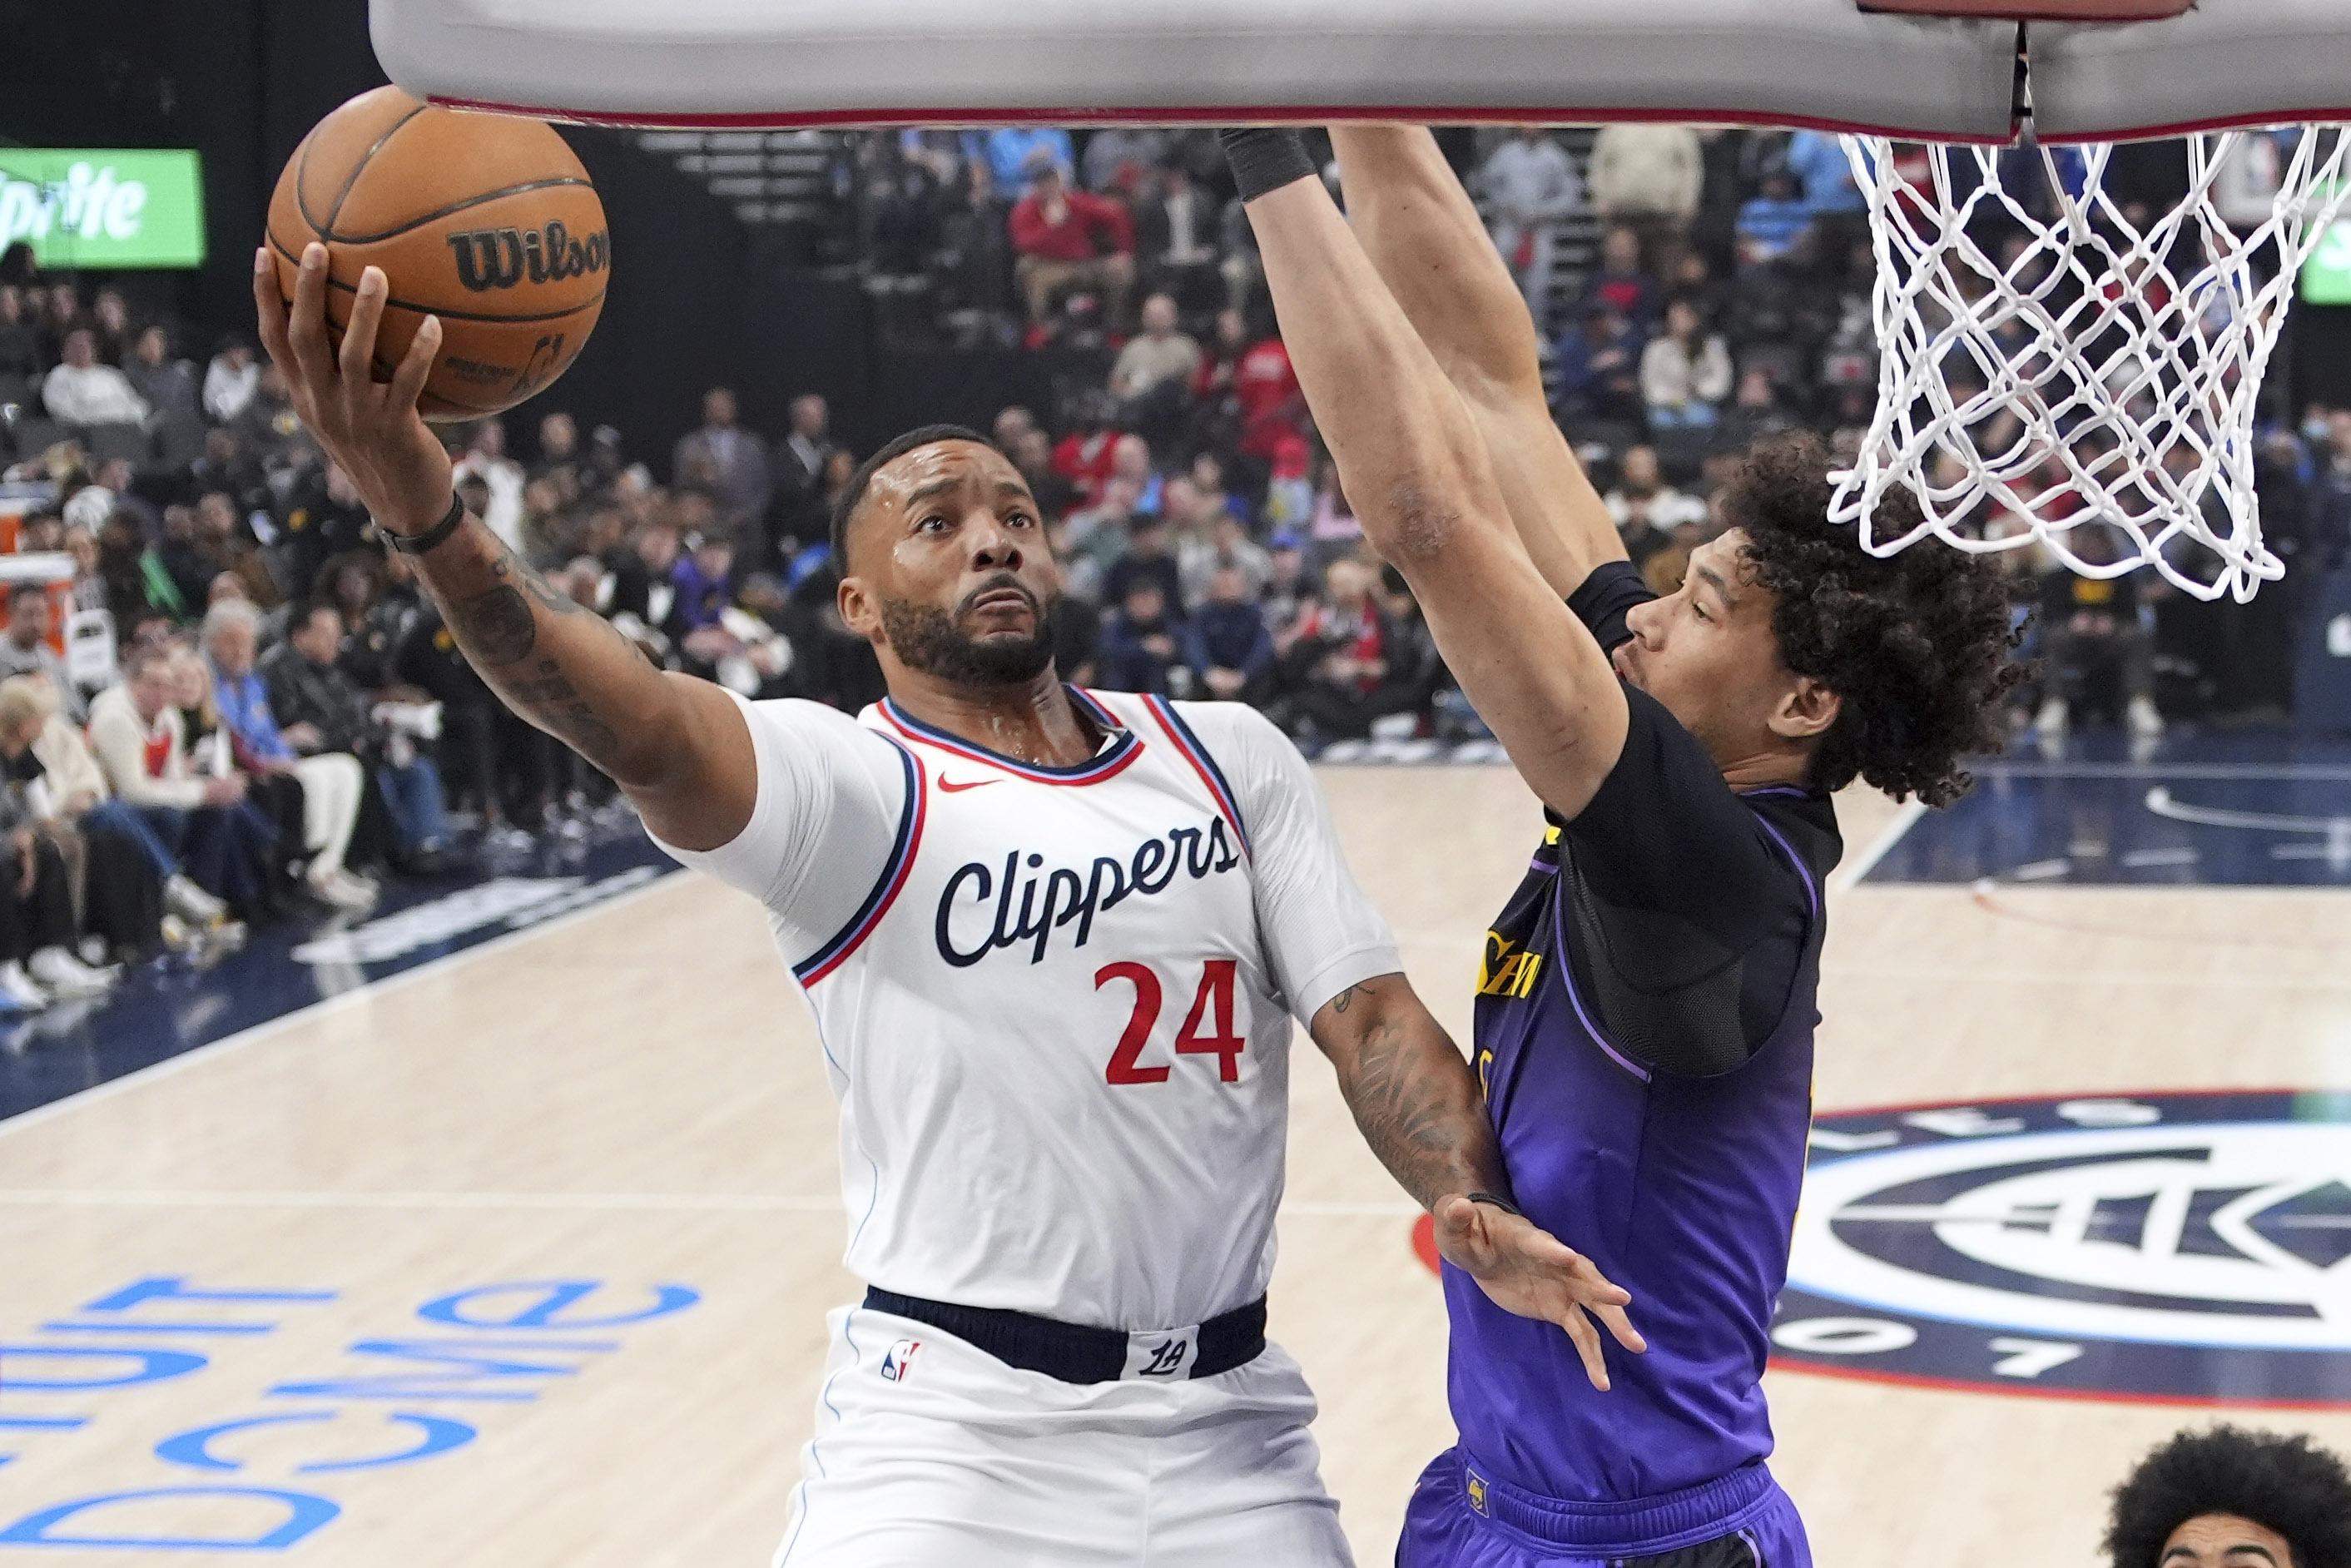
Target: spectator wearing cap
{"points": [[230, 380], [1226, 645], [1775, 223], [1599, 368], [80, 391], [1066, 239], [1288, 487], [25, 649], [2229, 1498]]}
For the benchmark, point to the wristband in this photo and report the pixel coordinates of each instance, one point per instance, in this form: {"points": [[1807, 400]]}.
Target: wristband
{"points": [[417, 544], [1504, 1204], [1265, 160]]}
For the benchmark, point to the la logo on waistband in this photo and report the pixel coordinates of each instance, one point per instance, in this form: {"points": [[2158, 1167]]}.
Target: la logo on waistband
{"points": [[1474, 1485]]}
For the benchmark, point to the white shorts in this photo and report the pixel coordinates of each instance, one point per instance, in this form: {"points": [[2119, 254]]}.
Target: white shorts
{"points": [[930, 1452]]}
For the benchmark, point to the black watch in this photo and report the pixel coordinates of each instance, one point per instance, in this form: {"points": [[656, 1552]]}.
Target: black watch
{"points": [[417, 544]]}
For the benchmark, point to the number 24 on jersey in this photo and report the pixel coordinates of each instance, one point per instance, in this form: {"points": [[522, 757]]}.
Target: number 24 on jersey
{"points": [[1207, 1028]]}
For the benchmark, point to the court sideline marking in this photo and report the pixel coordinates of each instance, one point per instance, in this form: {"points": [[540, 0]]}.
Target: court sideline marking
{"points": [[327, 1006], [1905, 817]]}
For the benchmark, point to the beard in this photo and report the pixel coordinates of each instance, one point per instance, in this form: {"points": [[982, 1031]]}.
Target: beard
{"points": [[933, 641]]}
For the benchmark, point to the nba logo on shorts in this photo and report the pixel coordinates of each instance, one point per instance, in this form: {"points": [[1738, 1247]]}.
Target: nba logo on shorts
{"points": [[894, 1364], [1474, 1485]]}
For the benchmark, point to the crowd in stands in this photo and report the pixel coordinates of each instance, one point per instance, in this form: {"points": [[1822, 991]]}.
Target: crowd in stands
{"points": [[288, 722]]}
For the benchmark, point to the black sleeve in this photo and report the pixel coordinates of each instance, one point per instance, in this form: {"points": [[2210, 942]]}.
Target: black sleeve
{"points": [[1601, 600], [1687, 924]]}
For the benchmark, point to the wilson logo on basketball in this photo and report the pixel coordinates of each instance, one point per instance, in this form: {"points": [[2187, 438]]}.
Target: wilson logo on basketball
{"points": [[501, 258]]}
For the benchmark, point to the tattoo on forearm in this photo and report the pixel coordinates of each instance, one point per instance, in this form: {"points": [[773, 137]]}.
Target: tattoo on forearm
{"points": [[500, 626], [1418, 1110], [558, 702], [498, 629]]}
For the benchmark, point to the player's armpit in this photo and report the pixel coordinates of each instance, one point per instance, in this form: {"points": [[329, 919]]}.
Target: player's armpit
{"points": [[1413, 1095], [707, 798]]}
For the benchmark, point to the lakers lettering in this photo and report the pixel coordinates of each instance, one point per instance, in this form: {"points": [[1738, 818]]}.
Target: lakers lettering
{"points": [[501, 258], [1031, 908], [1507, 969]]}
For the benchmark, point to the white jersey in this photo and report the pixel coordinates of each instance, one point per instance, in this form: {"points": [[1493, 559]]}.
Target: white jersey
{"points": [[1055, 1003]]}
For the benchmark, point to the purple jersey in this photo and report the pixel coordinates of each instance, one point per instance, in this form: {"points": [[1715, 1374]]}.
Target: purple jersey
{"points": [[1670, 921]]}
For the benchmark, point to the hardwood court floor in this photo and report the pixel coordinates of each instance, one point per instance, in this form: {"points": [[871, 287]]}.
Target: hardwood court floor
{"points": [[634, 1099]]}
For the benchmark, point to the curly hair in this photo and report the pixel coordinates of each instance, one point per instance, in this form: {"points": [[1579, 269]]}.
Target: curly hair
{"points": [[1916, 644], [2289, 1485]]}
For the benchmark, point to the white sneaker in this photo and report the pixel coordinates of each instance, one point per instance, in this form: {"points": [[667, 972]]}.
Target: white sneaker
{"points": [[2142, 718], [344, 890], [2051, 718], [191, 903], [18, 993], [67, 975]]}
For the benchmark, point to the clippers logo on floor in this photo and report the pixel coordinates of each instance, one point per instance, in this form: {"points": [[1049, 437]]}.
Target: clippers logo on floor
{"points": [[896, 1364], [2160, 1247]]}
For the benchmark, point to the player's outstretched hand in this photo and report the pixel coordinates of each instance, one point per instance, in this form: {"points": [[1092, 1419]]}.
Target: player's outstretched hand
{"points": [[368, 427], [1528, 1270]]}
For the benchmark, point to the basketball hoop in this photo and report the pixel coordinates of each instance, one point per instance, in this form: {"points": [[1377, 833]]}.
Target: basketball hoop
{"points": [[2099, 374]]}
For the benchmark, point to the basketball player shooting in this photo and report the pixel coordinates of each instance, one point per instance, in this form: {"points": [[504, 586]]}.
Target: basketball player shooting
{"points": [[1645, 1024], [1053, 941]]}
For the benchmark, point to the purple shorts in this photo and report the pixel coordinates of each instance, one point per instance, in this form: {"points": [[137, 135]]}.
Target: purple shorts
{"points": [[1461, 1518]]}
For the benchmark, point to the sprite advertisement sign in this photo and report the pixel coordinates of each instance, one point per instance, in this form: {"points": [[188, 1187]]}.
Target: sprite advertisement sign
{"points": [[90, 207]]}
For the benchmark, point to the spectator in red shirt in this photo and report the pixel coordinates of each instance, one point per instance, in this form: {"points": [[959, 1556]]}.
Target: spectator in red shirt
{"points": [[1272, 405], [1069, 240]]}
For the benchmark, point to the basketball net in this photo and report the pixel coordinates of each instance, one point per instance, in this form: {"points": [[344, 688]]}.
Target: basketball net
{"points": [[2091, 371]]}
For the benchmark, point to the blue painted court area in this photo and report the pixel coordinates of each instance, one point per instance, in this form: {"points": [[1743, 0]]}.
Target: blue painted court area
{"points": [[164, 1011], [2248, 808]]}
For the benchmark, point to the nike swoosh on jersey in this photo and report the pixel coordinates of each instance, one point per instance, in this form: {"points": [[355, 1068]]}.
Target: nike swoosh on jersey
{"points": [[949, 786]]}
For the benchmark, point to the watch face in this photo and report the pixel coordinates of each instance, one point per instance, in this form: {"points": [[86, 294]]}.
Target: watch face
{"points": [[2168, 1247]]}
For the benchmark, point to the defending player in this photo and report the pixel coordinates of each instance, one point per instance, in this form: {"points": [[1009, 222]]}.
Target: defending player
{"points": [[1645, 1024], [1053, 942]]}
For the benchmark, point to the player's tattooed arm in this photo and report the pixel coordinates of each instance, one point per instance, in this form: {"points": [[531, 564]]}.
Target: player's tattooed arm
{"points": [[675, 746], [1414, 1098], [1420, 1107], [678, 747]]}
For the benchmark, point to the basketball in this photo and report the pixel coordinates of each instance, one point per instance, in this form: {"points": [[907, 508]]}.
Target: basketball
{"points": [[486, 221]]}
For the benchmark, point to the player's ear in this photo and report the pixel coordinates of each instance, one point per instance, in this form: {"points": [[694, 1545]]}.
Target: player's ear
{"points": [[861, 611], [1806, 710]]}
